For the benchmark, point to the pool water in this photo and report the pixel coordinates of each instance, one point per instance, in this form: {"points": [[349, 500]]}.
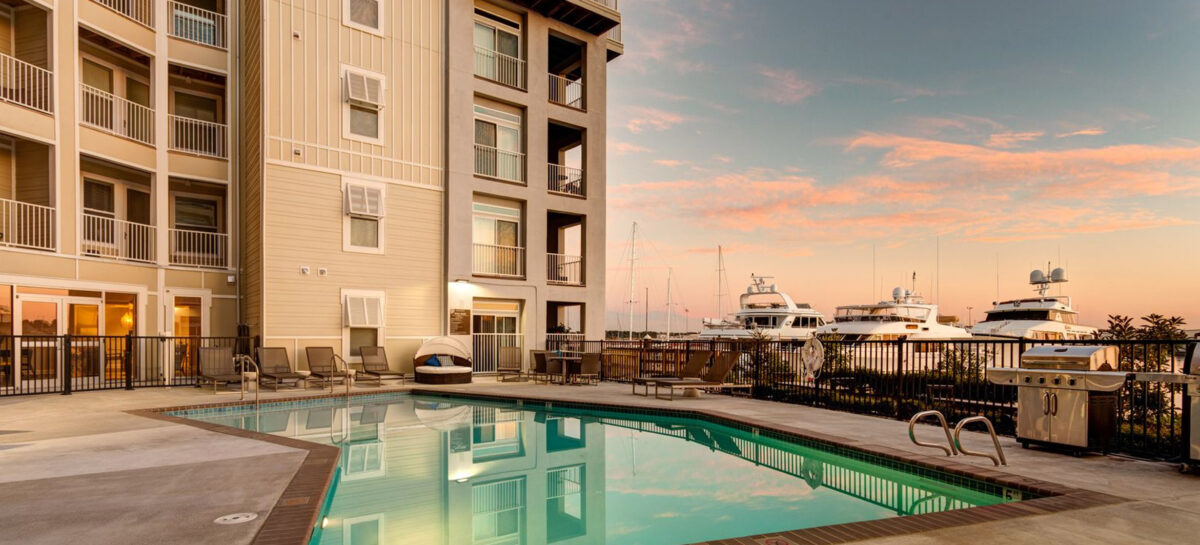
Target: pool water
{"points": [[451, 471]]}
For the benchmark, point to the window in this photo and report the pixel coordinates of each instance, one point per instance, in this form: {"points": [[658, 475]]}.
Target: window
{"points": [[498, 144], [364, 100], [364, 212], [98, 198], [197, 214], [366, 530], [197, 107], [363, 311], [362, 321], [496, 225], [364, 14], [360, 337]]}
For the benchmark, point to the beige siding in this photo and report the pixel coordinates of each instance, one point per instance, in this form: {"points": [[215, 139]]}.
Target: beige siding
{"points": [[33, 172], [6, 30], [30, 43], [304, 228], [307, 42], [6, 172], [250, 163]]}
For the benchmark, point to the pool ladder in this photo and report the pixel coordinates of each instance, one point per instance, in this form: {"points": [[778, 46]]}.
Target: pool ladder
{"points": [[955, 444]]}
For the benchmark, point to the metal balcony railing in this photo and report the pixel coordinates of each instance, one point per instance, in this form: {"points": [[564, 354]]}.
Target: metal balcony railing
{"points": [[26, 225], [25, 84], [499, 67], [567, 92], [116, 239], [113, 114], [498, 163], [197, 25], [141, 11], [199, 248], [199, 137], [564, 269], [564, 179], [494, 260], [614, 34]]}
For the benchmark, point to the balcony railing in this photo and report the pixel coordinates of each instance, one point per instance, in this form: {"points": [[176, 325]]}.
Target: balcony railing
{"points": [[494, 260], [197, 25], [499, 67], [199, 248], [26, 225], [564, 269], [607, 3], [141, 11], [564, 179], [199, 137], [117, 239], [499, 163], [113, 114], [493, 351], [567, 92], [25, 84], [614, 34]]}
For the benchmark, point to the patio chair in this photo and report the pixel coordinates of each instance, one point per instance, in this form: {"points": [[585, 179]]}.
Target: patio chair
{"points": [[590, 367], [275, 367], [375, 365], [323, 365], [540, 371], [509, 366], [692, 369], [714, 378], [216, 366]]}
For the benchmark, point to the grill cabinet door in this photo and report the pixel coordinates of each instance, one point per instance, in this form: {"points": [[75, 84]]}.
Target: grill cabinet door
{"points": [[1069, 417], [1032, 421]]}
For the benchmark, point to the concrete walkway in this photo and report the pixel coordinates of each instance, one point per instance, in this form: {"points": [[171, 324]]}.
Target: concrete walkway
{"points": [[74, 466]]}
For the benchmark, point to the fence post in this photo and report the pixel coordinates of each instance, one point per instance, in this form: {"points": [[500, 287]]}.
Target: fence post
{"points": [[127, 360], [67, 364], [898, 396], [757, 361]]}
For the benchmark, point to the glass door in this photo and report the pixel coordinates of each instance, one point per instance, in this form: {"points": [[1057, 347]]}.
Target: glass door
{"points": [[38, 326], [187, 316], [84, 322]]}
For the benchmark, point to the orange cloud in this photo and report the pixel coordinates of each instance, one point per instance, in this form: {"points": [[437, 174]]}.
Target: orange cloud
{"points": [[1083, 132], [1012, 139], [785, 86]]}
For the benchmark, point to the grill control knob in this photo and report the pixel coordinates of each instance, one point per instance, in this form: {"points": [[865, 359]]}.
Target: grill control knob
{"points": [[1027, 379], [1041, 380], [1056, 381], [1071, 382]]}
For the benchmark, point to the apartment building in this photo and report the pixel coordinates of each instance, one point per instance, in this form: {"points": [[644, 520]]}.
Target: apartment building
{"points": [[525, 191], [117, 194], [335, 173]]}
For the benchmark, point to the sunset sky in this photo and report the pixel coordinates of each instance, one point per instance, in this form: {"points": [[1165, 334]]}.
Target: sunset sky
{"points": [[800, 134]]}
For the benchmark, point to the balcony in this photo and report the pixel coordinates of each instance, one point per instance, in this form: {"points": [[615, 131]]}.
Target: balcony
{"points": [[26, 225], [500, 164], [113, 238], [494, 260], [499, 67], [198, 137], [115, 115], [141, 11], [566, 180], [198, 25], [566, 92], [201, 249], [25, 84], [595, 16], [564, 270]]}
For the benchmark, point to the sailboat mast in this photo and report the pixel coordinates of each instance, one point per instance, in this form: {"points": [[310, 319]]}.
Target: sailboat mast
{"points": [[720, 274], [632, 267], [669, 271]]}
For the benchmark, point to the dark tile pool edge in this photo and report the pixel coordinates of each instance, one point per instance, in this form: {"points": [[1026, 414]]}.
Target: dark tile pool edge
{"points": [[1053, 497], [293, 517]]}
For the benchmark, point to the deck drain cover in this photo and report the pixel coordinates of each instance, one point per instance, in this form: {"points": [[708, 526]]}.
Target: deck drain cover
{"points": [[236, 518]]}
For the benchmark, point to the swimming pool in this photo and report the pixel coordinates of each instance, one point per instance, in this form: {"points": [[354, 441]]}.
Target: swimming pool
{"points": [[450, 471]]}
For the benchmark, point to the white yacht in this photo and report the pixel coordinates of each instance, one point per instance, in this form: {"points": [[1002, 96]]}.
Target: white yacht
{"points": [[768, 311], [1048, 317], [906, 316]]}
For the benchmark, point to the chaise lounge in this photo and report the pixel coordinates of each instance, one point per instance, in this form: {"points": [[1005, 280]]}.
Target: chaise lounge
{"points": [[714, 378], [691, 370], [323, 365], [375, 365], [275, 367], [216, 366]]}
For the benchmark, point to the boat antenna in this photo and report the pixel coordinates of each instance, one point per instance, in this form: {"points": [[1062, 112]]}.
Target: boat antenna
{"points": [[646, 317], [669, 303], [722, 280], [937, 274], [997, 276], [873, 272], [632, 266]]}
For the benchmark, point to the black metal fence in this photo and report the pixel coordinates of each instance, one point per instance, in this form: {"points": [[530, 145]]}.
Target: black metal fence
{"points": [[898, 378], [74, 363]]}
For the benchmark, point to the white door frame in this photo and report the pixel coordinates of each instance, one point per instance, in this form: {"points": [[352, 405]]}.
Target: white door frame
{"points": [[168, 324], [63, 304]]}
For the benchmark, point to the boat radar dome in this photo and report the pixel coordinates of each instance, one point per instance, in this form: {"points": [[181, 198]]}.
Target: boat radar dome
{"points": [[898, 293], [1058, 275], [1037, 277]]}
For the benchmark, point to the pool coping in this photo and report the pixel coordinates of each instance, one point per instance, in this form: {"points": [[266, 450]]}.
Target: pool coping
{"points": [[295, 514]]}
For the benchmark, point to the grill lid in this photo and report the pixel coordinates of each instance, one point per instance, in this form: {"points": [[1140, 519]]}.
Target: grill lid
{"points": [[1077, 358]]}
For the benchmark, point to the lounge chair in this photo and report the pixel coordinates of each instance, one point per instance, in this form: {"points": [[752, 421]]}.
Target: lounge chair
{"points": [[692, 369], [714, 378], [375, 365], [590, 367], [216, 366], [541, 366], [323, 366], [275, 367], [509, 366]]}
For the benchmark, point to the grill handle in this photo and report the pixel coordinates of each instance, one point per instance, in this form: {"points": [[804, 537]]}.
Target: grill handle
{"points": [[1046, 403], [1054, 404]]}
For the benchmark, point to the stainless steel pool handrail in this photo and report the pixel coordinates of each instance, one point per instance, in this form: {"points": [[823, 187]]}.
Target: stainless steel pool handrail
{"points": [[245, 360], [912, 423], [998, 458]]}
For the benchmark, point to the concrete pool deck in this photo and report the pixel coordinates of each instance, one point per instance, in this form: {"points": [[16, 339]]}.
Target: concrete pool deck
{"points": [[80, 465]]}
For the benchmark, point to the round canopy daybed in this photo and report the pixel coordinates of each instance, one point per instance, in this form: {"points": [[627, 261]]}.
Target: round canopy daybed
{"points": [[455, 362]]}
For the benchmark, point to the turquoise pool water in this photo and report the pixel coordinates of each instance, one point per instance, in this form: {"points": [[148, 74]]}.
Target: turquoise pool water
{"points": [[454, 471]]}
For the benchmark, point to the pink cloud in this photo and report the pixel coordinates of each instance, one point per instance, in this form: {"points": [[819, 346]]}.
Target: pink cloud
{"points": [[1012, 139], [669, 163], [618, 147], [1082, 132], [785, 86], [642, 119]]}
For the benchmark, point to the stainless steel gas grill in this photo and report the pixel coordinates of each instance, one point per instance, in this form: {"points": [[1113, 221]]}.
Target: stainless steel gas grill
{"points": [[1066, 395]]}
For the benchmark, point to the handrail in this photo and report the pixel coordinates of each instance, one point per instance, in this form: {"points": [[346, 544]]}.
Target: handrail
{"points": [[912, 423], [500, 67], [197, 25], [26, 84], [998, 459], [197, 136], [247, 360], [117, 115]]}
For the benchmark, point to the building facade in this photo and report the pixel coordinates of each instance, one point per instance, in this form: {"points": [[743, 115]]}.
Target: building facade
{"points": [[332, 173]]}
